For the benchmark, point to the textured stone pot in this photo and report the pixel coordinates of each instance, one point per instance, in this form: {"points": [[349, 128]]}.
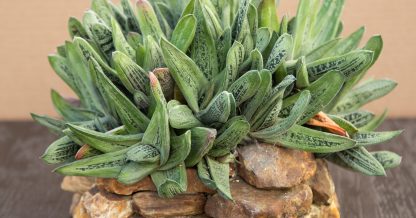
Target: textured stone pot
{"points": [[267, 181]]}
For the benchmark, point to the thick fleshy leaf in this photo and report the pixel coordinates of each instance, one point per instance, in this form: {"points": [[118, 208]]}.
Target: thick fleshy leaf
{"points": [[217, 111], [133, 77], [240, 18], [245, 87], [204, 174], [322, 92], [349, 64], [143, 154], [387, 159], [120, 42], [157, 132], [364, 94], [230, 136], [263, 38], [371, 138], [53, 125], [181, 117], [319, 52], [345, 125], [180, 148], [104, 142], [281, 50], [362, 161], [264, 87], [61, 150], [148, 22], [132, 22], [75, 28], [348, 44], [202, 141], [223, 44], [103, 166], [302, 77], [271, 132], [302, 138], [374, 123], [133, 172], [70, 112], [220, 175], [62, 68], [268, 15], [153, 57], [184, 32], [171, 182], [103, 9], [358, 118], [86, 151], [235, 58], [134, 120], [186, 73]]}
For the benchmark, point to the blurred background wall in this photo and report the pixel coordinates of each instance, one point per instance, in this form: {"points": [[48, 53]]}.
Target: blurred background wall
{"points": [[30, 30]]}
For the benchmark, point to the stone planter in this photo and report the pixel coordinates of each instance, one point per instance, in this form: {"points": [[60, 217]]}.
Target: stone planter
{"points": [[268, 181]]}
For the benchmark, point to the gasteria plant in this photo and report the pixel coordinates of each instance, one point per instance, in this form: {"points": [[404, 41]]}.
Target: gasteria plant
{"points": [[170, 84]]}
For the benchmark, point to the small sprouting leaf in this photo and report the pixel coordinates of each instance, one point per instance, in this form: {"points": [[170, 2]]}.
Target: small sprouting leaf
{"points": [[231, 135], [171, 182], [387, 159], [362, 161], [202, 141], [302, 77], [60, 151], [371, 138], [186, 73], [306, 139], [104, 142], [364, 94], [143, 154], [184, 32], [103, 166]]}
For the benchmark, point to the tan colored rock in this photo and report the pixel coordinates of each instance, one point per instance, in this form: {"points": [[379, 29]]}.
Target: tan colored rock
{"points": [[255, 203], [79, 211], [113, 186], [77, 184], [272, 167], [149, 204], [323, 211], [322, 185], [104, 205], [75, 201]]}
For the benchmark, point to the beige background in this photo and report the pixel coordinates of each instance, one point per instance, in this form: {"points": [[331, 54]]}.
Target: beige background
{"points": [[30, 30]]}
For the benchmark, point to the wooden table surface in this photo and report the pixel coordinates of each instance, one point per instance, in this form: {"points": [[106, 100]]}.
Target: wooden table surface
{"points": [[29, 190]]}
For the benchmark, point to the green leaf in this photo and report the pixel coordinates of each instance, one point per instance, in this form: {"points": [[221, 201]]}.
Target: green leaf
{"points": [[344, 124], [133, 77], [302, 77], [230, 136], [75, 28], [217, 111], [53, 125], [185, 72], [348, 44], [272, 132], [212, 20], [364, 94], [184, 32], [143, 154], [181, 117], [374, 123], [263, 38], [358, 118], [245, 87], [148, 22], [223, 44], [235, 58], [133, 172], [153, 57], [268, 15], [61, 150], [134, 120], [132, 22], [120, 42], [387, 159], [265, 85], [362, 161], [103, 9], [202, 141], [240, 18], [281, 50], [180, 148], [310, 140], [371, 138], [172, 182], [62, 68], [68, 111], [319, 52], [104, 142], [220, 175], [103, 166], [349, 64], [204, 175], [157, 133], [322, 92]]}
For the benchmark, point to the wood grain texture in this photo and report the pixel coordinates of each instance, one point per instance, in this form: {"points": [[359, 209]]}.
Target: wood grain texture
{"points": [[29, 189]]}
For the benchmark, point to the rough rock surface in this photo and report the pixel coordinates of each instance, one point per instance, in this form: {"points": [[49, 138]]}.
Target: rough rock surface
{"points": [[322, 185], [331, 211], [113, 186], [79, 211], [104, 205], [78, 184], [149, 204], [271, 167], [251, 202]]}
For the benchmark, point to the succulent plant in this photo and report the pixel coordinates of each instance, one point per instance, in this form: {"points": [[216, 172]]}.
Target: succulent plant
{"points": [[170, 84]]}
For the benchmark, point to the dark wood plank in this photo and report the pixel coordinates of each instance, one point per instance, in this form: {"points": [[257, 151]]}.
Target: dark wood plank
{"points": [[29, 189]]}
